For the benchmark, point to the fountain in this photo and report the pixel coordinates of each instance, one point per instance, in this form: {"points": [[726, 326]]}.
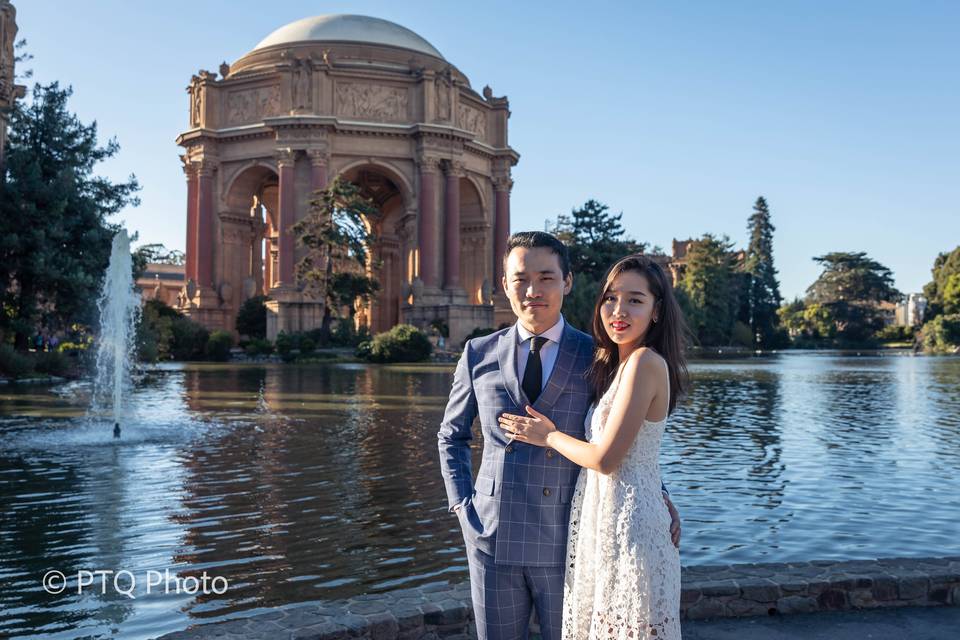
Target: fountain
{"points": [[119, 306]]}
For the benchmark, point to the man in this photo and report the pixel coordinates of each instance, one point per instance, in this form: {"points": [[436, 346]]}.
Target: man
{"points": [[515, 516]]}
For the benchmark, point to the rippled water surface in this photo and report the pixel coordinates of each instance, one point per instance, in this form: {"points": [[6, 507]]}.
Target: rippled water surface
{"points": [[307, 483]]}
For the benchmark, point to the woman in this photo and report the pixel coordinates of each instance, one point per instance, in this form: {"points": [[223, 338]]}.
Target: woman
{"points": [[623, 569]]}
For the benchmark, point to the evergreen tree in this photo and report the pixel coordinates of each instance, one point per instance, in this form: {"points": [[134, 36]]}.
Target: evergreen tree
{"points": [[764, 290], [54, 235], [336, 236], [943, 291], [710, 289], [595, 239], [851, 288]]}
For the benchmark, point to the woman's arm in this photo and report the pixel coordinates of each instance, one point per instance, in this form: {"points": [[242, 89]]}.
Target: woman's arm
{"points": [[643, 379]]}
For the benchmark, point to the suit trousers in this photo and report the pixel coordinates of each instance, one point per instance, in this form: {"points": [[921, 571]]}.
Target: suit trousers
{"points": [[503, 596]]}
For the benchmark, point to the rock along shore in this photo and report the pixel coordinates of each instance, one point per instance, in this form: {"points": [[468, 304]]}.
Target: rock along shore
{"points": [[709, 591]]}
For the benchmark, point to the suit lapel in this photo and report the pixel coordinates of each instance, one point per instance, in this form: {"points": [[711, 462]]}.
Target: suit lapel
{"points": [[566, 359], [507, 356]]}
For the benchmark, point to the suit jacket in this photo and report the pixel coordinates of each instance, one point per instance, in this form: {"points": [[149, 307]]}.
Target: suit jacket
{"points": [[519, 507]]}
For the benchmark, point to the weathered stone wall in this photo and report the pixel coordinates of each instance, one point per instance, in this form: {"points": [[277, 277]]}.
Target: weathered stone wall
{"points": [[444, 611]]}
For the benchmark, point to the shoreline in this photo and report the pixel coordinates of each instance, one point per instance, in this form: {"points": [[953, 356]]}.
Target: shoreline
{"points": [[707, 592]]}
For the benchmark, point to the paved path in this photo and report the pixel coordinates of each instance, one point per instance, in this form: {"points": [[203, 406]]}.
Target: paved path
{"points": [[915, 623]]}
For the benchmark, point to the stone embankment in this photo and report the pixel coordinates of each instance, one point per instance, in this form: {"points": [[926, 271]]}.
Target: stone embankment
{"points": [[444, 611]]}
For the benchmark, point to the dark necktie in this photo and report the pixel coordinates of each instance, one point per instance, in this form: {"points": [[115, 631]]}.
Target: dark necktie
{"points": [[533, 374]]}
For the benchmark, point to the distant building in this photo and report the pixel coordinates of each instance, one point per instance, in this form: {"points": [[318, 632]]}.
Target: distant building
{"points": [[911, 310], [162, 282]]}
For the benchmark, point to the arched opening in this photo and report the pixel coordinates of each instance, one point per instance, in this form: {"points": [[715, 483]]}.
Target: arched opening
{"points": [[250, 251], [386, 263], [474, 270]]}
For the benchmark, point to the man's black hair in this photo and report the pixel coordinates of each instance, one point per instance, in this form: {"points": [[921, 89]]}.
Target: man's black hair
{"points": [[531, 239]]}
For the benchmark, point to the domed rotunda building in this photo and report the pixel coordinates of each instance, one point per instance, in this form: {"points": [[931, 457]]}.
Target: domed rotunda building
{"points": [[366, 99]]}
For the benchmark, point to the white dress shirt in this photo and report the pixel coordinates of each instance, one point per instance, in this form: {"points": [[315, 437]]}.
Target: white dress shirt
{"points": [[548, 351]]}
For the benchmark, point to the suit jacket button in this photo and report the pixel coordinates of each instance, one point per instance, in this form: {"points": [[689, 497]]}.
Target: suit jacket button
{"points": [[509, 448], [549, 453], [546, 492]]}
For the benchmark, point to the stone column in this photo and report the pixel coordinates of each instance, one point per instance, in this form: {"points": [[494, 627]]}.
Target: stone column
{"points": [[427, 222], [286, 217], [501, 225], [192, 202], [204, 236], [319, 160], [451, 253]]}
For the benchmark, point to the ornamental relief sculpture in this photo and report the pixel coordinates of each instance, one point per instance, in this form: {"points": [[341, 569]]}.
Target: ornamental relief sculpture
{"points": [[472, 120], [371, 102], [253, 105]]}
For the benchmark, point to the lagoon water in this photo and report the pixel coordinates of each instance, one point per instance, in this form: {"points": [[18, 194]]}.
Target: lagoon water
{"points": [[305, 483]]}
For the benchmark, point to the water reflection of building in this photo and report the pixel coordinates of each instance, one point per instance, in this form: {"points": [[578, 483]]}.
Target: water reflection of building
{"points": [[375, 103]]}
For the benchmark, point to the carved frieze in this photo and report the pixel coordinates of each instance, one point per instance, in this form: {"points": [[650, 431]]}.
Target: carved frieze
{"points": [[366, 101], [253, 105], [473, 120]]}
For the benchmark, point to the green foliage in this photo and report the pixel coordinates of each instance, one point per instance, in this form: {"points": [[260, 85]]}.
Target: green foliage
{"points": [[307, 346], [763, 290], [335, 234], [595, 239], [943, 291], [403, 343], [942, 334], [741, 335], [711, 287], [13, 363], [284, 344], [54, 363], [188, 339], [478, 332], [439, 326], [218, 345], [578, 305], [259, 346], [252, 317], [896, 333], [851, 287], [54, 235], [348, 287]]}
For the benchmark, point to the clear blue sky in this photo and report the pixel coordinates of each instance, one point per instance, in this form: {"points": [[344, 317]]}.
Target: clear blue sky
{"points": [[844, 115]]}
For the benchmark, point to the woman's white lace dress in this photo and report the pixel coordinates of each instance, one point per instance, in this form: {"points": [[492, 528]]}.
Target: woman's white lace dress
{"points": [[623, 572]]}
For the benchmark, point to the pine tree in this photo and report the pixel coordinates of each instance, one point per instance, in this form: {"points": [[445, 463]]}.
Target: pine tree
{"points": [[54, 234], [709, 290], [764, 290]]}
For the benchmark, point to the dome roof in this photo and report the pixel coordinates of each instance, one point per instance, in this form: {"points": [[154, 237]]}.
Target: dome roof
{"points": [[348, 28]]}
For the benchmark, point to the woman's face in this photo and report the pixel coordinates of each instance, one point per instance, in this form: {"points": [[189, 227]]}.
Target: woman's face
{"points": [[628, 308]]}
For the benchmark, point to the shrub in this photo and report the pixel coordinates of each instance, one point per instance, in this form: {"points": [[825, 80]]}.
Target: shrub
{"points": [[188, 339], [478, 332], [218, 345], [363, 350], [403, 343], [942, 334], [896, 333], [252, 317], [742, 335], [306, 346], [13, 363], [54, 363], [258, 347], [284, 343]]}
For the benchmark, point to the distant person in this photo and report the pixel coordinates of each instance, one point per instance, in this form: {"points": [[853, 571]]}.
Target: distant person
{"points": [[515, 516]]}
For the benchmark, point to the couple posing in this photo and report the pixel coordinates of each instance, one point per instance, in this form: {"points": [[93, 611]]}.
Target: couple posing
{"points": [[595, 553]]}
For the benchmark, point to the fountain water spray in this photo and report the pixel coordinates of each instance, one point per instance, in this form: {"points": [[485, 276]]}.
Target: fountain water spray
{"points": [[119, 306]]}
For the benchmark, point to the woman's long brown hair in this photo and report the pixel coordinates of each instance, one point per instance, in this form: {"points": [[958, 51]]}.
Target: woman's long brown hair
{"points": [[667, 336]]}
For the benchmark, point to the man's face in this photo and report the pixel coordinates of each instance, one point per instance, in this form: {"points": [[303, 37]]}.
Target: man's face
{"points": [[534, 283]]}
